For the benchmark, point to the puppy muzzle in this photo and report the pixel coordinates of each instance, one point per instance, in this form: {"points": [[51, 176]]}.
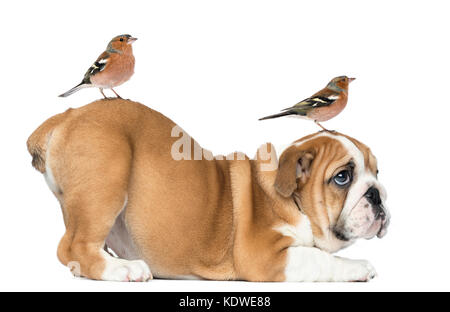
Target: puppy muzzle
{"points": [[380, 214], [367, 219]]}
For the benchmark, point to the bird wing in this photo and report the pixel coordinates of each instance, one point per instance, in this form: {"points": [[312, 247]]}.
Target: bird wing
{"points": [[318, 100], [98, 66], [324, 97]]}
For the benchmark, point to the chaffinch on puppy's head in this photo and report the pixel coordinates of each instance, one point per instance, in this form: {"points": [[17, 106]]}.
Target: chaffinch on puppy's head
{"points": [[322, 105]]}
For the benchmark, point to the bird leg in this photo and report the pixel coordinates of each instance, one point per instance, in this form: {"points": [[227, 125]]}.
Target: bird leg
{"points": [[101, 91], [116, 93], [325, 129]]}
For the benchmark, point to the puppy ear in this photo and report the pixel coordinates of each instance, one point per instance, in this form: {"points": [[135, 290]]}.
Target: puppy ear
{"points": [[294, 163]]}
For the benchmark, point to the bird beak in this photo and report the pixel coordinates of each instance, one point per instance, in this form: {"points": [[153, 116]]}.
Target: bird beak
{"points": [[131, 40], [351, 79]]}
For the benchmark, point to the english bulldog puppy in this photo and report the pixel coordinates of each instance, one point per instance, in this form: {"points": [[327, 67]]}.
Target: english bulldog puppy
{"points": [[129, 180]]}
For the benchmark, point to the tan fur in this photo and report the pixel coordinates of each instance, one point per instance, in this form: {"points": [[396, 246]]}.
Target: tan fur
{"points": [[212, 219]]}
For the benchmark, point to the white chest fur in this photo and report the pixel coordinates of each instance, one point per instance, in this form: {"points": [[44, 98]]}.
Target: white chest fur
{"points": [[301, 233]]}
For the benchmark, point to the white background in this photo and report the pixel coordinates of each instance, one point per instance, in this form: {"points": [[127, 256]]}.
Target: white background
{"points": [[215, 67]]}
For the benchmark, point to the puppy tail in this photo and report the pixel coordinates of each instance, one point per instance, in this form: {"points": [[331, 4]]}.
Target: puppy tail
{"points": [[38, 140]]}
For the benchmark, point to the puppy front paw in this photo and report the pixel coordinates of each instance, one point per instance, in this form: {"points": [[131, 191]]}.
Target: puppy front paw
{"points": [[362, 271], [355, 271]]}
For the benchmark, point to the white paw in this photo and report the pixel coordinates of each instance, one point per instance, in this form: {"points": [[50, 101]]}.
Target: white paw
{"points": [[121, 270], [361, 271]]}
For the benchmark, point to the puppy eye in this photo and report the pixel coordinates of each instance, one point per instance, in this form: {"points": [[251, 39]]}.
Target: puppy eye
{"points": [[343, 178], [121, 39]]}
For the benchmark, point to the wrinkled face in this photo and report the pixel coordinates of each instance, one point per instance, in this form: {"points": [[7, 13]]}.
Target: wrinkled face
{"points": [[333, 180]]}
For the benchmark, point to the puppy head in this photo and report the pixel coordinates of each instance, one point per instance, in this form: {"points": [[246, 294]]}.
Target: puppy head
{"points": [[333, 180]]}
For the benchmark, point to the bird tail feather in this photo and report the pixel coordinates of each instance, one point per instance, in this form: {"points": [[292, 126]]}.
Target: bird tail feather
{"points": [[74, 89], [279, 115]]}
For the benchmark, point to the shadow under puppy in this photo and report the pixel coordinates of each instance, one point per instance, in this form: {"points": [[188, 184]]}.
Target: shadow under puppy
{"points": [[123, 179]]}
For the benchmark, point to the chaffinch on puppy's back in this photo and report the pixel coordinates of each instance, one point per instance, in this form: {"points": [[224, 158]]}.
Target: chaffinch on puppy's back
{"points": [[323, 105], [111, 69]]}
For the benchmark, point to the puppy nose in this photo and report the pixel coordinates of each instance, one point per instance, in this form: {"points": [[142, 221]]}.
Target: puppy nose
{"points": [[373, 196], [379, 213]]}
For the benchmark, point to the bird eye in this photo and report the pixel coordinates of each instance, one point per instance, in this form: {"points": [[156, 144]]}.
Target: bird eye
{"points": [[343, 178], [121, 39]]}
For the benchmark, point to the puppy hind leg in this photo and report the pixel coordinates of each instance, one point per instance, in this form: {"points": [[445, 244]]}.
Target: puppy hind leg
{"points": [[91, 216]]}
